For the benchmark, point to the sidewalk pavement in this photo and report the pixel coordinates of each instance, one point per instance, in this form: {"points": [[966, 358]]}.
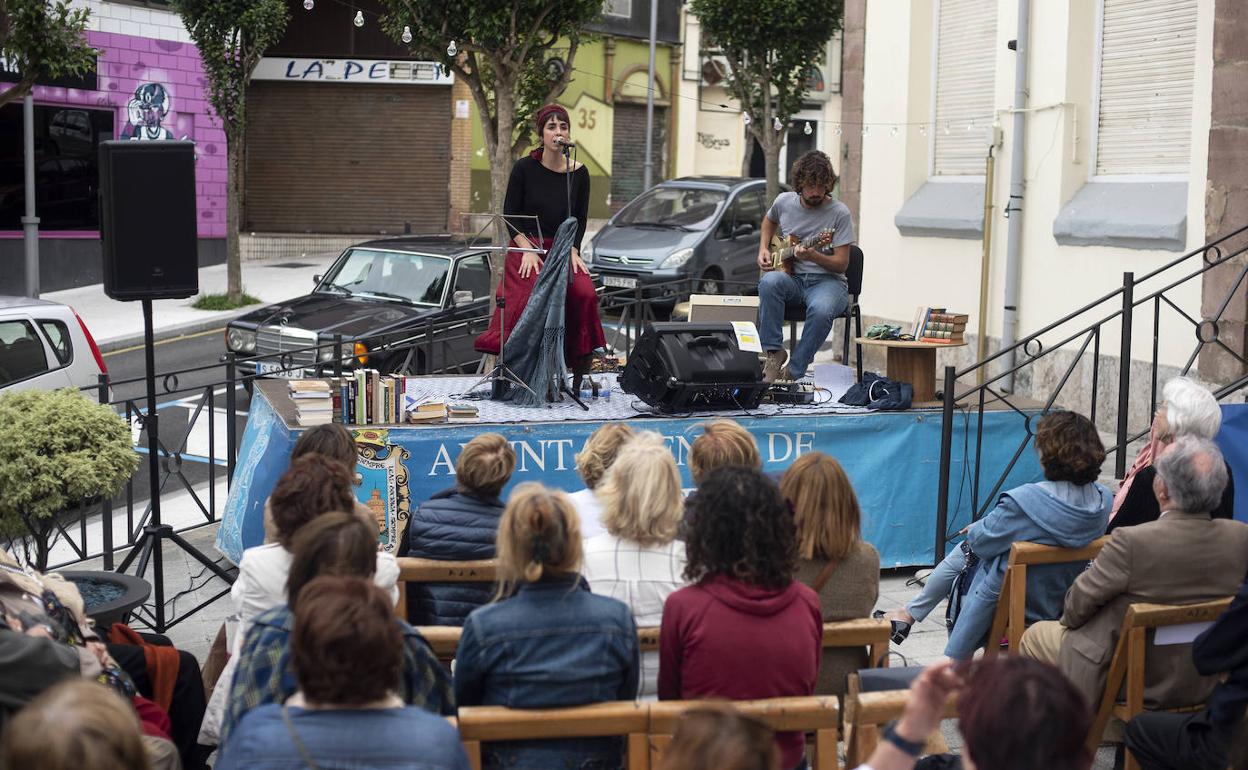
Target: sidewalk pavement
{"points": [[116, 325]]}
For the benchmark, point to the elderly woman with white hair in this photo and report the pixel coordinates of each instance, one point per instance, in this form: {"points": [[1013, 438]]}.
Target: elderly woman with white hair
{"points": [[1187, 409]]}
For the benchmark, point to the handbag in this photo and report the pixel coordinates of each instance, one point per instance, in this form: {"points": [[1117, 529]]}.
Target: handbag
{"points": [[304, 754], [961, 585]]}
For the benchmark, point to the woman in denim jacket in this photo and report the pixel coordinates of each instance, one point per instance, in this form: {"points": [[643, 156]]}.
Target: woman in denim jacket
{"points": [[547, 642]]}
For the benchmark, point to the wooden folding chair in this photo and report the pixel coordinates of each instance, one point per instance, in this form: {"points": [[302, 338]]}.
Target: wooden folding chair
{"points": [[478, 724], [413, 570], [1127, 665], [872, 633], [816, 713], [866, 713], [1010, 618]]}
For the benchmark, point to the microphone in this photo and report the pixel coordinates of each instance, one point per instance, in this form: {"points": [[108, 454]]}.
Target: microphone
{"points": [[564, 143]]}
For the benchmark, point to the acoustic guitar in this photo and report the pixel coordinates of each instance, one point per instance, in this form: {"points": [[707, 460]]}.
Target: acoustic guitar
{"points": [[784, 248]]}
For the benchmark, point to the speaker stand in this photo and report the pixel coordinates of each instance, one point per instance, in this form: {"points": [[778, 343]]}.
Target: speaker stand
{"points": [[149, 547]]}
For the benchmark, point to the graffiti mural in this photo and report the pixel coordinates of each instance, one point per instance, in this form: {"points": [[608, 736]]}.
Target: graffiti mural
{"points": [[147, 112]]}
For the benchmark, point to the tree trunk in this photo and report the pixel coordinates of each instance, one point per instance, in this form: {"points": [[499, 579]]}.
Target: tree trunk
{"points": [[771, 160], [500, 171], [233, 211]]}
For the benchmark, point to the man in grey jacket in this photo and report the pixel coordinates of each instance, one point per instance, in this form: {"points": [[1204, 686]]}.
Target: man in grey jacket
{"points": [[1182, 558]]}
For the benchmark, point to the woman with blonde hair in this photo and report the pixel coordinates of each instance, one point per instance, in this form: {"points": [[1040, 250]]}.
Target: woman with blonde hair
{"points": [[592, 463], [546, 642], [76, 724], [833, 559], [638, 560]]}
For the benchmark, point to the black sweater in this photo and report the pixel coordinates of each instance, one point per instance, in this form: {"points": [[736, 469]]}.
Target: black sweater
{"points": [[536, 190]]}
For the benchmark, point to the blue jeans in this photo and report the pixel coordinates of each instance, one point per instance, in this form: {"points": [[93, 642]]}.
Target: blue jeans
{"points": [[825, 297], [937, 586]]}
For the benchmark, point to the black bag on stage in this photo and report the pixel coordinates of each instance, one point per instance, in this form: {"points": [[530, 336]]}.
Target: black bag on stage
{"points": [[684, 367], [881, 393]]}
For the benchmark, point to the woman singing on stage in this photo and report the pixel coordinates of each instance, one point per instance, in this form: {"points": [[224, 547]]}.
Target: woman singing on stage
{"points": [[538, 187]]}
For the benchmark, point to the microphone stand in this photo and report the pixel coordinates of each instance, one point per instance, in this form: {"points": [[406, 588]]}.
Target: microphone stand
{"points": [[568, 161]]}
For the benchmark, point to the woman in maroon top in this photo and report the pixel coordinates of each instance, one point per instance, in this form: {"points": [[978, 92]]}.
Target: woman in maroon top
{"points": [[539, 188], [745, 629]]}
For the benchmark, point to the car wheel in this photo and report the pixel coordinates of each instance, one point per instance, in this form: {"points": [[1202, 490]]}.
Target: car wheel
{"points": [[399, 365], [711, 282]]}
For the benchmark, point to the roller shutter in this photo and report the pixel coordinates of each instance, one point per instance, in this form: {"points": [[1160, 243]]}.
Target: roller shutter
{"points": [[335, 158], [1148, 62], [966, 48]]}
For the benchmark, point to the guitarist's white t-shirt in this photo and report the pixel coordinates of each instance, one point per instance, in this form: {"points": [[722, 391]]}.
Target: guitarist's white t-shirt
{"points": [[795, 219]]}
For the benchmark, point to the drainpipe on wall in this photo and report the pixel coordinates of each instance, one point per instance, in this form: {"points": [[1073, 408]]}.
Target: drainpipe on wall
{"points": [[648, 167], [1014, 208]]}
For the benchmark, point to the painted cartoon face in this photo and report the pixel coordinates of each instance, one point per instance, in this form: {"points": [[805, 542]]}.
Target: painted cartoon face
{"points": [[555, 128], [149, 106]]}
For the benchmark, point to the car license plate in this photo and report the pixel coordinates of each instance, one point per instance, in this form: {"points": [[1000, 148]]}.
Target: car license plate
{"points": [[276, 369], [619, 281]]}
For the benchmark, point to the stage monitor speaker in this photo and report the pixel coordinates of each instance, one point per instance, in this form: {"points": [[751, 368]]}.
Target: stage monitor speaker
{"points": [[687, 367], [147, 219], [722, 308]]}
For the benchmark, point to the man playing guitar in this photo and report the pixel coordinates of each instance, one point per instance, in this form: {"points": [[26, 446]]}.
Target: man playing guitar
{"points": [[817, 278]]}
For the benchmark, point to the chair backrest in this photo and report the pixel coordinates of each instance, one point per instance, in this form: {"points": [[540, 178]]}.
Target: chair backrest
{"points": [[479, 724], [853, 275], [816, 714], [871, 633], [413, 570], [1010, 619], [866, 713], [1127, 665]]}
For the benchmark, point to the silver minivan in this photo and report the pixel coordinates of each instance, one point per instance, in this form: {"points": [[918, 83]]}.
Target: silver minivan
{"points": [[45, 345], [702, 229]]}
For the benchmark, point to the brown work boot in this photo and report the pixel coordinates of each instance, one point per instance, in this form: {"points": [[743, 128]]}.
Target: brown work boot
{"points": [[774, 364]]}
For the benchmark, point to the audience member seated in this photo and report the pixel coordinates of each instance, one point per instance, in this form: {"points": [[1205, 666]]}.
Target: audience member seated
{"points": [[76, 725], [547, 642], [36, 606], [592, 463], [342, 545], [1182, 558], [310, 487], [1202, 740], [347, 654], [459, 524], [1012, 712], [745, 629], [710, 738], [333, 442], [833, 559], [722, 442], [1187, 409], [638, 560], [1068, 509]]}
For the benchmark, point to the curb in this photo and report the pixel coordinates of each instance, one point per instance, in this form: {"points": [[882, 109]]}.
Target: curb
{"points": [[172, 332]]}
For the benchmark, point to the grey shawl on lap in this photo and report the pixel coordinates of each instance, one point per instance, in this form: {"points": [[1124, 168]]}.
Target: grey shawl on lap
{"points": [[534, 349]]}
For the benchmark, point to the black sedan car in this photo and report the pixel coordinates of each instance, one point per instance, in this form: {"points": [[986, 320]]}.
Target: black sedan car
{"points": [[410, 305]]}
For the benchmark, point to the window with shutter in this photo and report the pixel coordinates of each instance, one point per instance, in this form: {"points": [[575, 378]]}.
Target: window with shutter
{"points": [[965, 70], [1144, 104]]}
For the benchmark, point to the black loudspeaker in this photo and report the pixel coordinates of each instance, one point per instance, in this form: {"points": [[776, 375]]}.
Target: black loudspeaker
{"points": [[147, 219], [684, 367]]}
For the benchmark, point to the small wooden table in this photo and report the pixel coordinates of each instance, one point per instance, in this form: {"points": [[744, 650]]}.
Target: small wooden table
{"points": [[913, 362]]}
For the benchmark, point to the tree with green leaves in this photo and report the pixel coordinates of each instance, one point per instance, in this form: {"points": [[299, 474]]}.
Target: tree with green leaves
{"points": [[232, 36], [500, 52], [43, 39], [770, 46]]}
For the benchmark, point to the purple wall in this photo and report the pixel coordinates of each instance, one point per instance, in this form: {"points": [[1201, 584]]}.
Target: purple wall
{"points": [[127, 63]]}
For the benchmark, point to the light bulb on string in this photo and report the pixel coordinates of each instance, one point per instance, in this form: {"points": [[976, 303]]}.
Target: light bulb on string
{"points": [[864, 129], [776, 124], [359, 18], [452, 49], [308, 5], [745, 118], [971, 126], [808, 129], [946, 129], [923, 130], [837, 130], [407, 34], [894, 131]]}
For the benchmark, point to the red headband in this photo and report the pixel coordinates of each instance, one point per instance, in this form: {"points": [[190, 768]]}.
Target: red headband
{"points": [[551, 109]]}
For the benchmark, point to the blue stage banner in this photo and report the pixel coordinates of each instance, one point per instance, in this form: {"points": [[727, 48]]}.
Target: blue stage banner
{"points": [[892, 458], [1233, 441]]}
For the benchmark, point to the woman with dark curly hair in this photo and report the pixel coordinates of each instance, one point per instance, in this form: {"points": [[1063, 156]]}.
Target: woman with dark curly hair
{"points": [[1068, 509], [745, 628]]}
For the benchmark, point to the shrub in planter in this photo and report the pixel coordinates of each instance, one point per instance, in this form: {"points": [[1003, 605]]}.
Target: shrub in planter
{"points": [[58, 450]]}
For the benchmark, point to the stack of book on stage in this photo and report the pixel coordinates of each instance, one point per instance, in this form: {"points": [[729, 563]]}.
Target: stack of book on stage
{"points": [[314, 401], [936, 324]]}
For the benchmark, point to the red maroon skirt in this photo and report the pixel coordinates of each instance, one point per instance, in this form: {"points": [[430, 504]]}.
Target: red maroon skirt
{"points": [[582, 327]]}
